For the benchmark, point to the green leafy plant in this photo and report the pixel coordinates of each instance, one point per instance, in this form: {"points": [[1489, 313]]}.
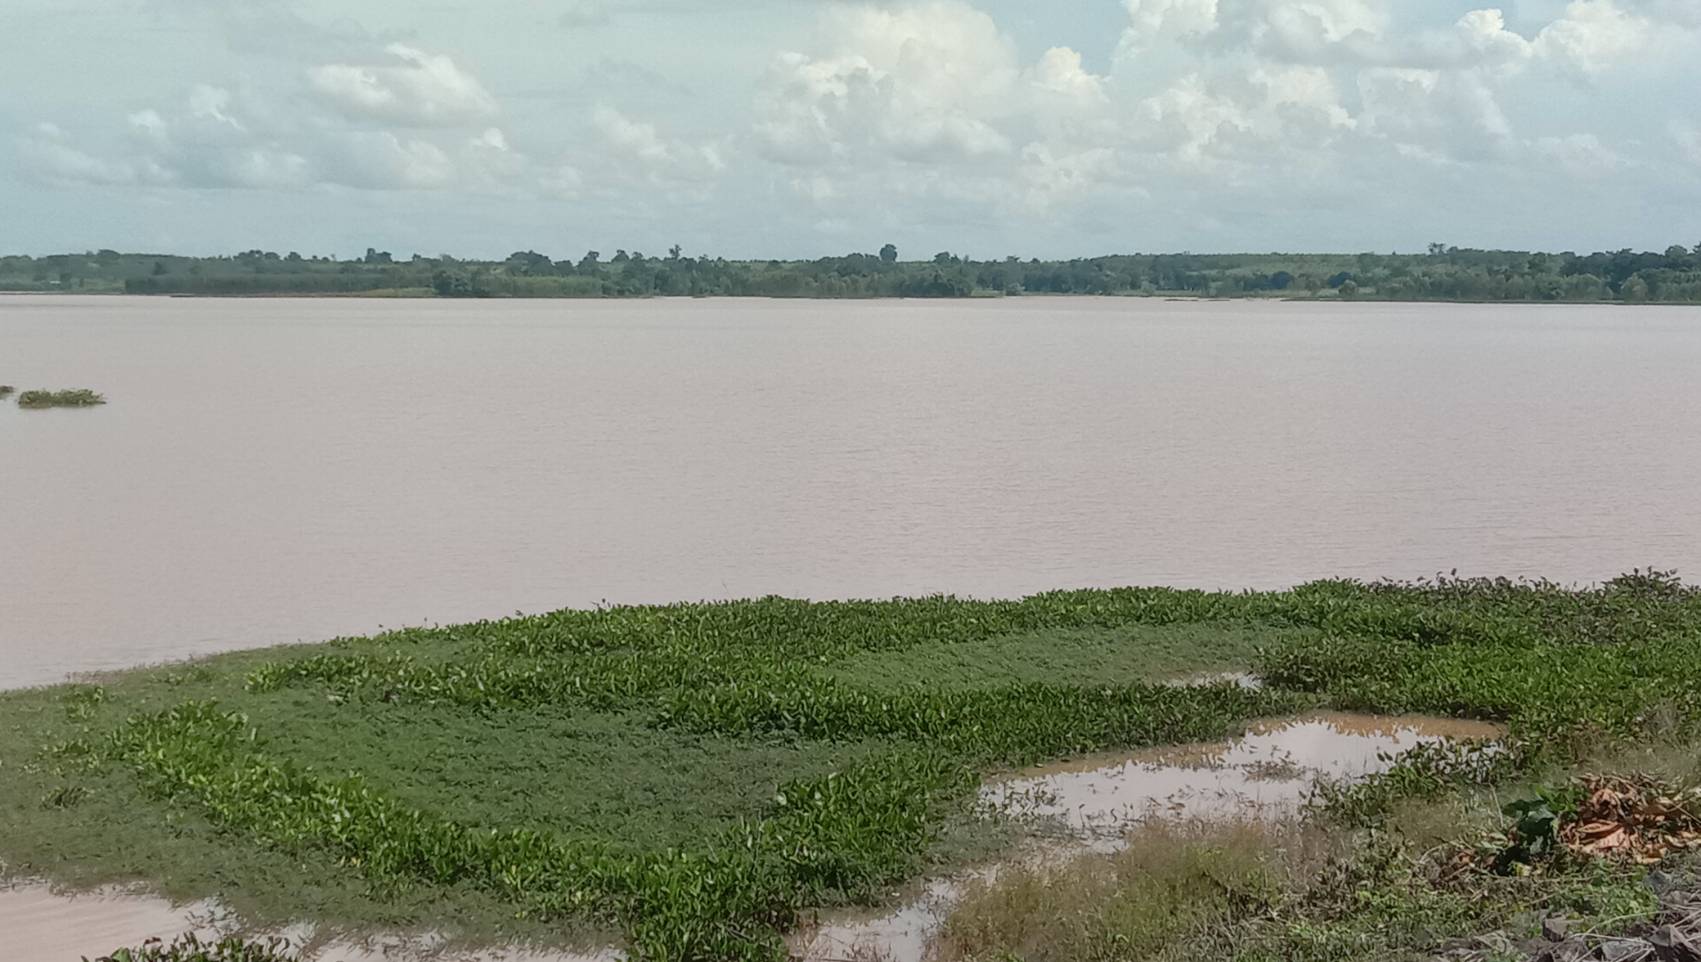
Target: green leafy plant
{"points": [[252, 752], [1534, 833]]}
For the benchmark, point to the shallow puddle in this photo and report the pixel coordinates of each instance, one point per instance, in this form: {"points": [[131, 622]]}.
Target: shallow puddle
{"points": [[1269, 770], [875, 936], [37, 925], [43, 927], [1092, 803]]}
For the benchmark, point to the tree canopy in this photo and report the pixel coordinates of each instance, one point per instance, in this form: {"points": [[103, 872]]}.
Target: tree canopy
{"points": [[1442, 272]]}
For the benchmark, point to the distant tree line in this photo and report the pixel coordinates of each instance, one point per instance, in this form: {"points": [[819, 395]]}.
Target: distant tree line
{"points": [[1443, 272]]}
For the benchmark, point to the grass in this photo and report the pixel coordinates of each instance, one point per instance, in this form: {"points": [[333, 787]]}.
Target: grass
{"points": [[1313, 891], [689, 779], [1172, 884], [76, 398]]}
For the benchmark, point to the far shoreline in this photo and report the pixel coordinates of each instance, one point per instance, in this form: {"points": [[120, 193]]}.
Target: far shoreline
{"points": [[406, 294]]}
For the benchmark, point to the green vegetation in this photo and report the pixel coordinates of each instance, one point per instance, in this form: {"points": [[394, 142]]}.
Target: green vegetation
{"points": [[6, 391], [1084, 656], [1441, 273], [1294, 892], [691, 778], [77, 398]]}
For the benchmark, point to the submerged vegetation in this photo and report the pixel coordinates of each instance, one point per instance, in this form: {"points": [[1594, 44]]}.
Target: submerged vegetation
{"points": [[1442, 273], [191, 948], [76, 398], [695, 777]]}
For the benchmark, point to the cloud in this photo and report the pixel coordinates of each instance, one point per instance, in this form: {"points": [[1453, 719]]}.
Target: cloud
{"points": [[1153, 20], [1687, 137], [1592, 36], [1060, 72], [212, 141], [562, 182], [1209, 119], [206, 144], [46, 153], [585, 13], [1051, 174], [1581, 156], [929, 83], [413, 89], [385, 161], [660, 158], [1435, 114]]}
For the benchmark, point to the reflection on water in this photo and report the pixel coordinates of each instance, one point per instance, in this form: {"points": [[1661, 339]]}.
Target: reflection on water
{"points": [[1095, 802]]}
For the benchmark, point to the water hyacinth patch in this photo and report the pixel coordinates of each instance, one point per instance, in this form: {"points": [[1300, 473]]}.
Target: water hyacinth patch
{"points": [[77, 398], [518, 766]]}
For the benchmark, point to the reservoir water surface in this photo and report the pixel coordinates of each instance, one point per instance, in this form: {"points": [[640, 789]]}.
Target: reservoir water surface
{"points": [[274, 470]]}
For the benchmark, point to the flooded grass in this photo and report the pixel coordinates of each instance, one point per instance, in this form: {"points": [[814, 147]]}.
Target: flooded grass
{"points": [[694, 781], [1270, 771], [1305, 889]]}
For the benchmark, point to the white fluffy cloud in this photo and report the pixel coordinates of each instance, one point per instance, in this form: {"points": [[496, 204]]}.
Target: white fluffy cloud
{"points": [[215, 140], [1153, 20], [412, 88], [1435, 114], [1593, 35], [1236, 93], [1589, 36], [936, 82], [968, 117]]}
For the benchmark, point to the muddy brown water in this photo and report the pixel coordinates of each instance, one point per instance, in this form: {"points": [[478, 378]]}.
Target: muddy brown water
{"points": [[37, 925], [274, 470]]}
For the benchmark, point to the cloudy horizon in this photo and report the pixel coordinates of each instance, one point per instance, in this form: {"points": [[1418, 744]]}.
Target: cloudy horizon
{"points": [[797, 128]]}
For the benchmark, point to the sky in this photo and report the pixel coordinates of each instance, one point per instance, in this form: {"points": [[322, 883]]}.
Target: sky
{"points": [[801, 128]]}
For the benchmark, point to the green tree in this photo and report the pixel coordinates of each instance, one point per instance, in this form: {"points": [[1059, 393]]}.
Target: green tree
{"points": [[889, 254]]}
